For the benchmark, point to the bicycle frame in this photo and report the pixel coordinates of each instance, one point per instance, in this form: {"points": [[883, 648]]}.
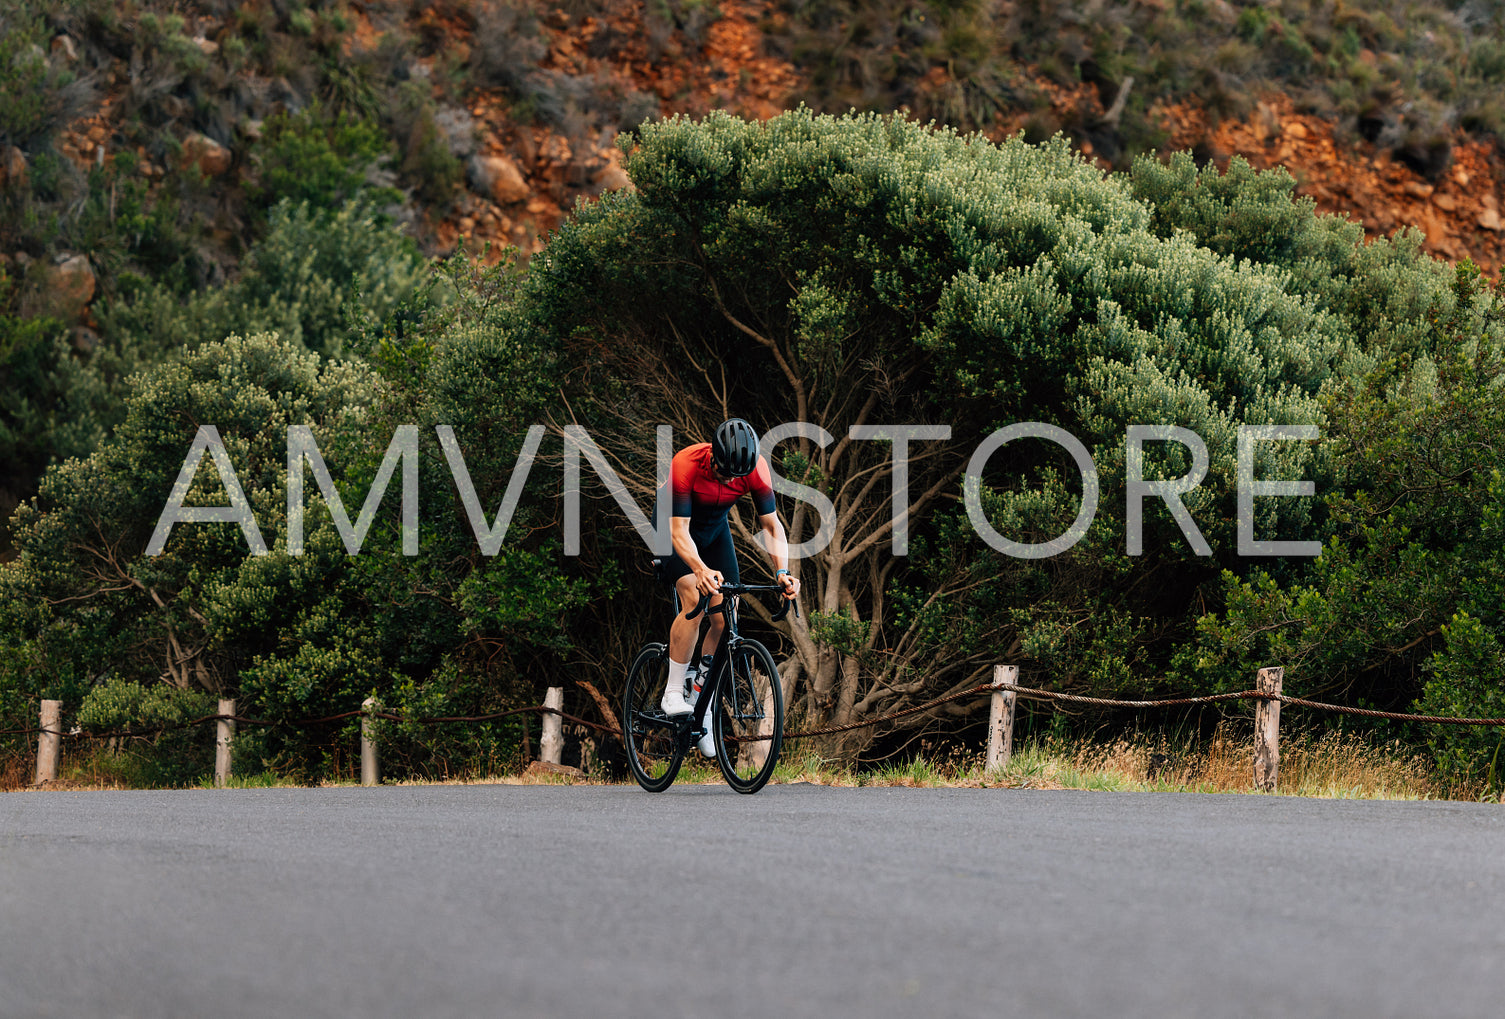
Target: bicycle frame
{"points": [[731, 638]]}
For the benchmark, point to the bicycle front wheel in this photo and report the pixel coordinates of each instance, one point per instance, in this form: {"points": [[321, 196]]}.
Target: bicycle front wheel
{"points": [[654, 745], [749, 718]]}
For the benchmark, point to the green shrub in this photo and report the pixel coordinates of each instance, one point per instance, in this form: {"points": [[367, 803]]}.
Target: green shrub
{"points": [[300, 281], [81, 624], [296, 281], [317, 156], [316, 267], [121, 705], [427, 163], [1468, 681], [153, 746], [164, 33], [131, 229], [303, 280], [508, 44], [1467, 674], [1487, 60], [37, 94]]}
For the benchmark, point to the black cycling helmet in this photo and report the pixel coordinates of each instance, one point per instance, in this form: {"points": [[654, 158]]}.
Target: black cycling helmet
{"points": [[734, 447]]}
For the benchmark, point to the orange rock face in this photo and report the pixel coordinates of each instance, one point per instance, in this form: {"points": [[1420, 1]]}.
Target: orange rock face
{"points": [[1458, 211]]}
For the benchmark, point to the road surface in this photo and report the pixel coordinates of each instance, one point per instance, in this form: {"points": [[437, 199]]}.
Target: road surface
{"points": [[801, 900]]}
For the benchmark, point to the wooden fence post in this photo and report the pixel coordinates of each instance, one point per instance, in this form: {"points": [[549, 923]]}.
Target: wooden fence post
{"points": [[1267, 730], [370, 766], [49, 740], [551, 742], [224, 735], [1001, 718]]}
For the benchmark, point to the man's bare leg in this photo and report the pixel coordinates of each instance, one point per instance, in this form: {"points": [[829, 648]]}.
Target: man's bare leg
{"points": [[682, 642], [682, 633]]}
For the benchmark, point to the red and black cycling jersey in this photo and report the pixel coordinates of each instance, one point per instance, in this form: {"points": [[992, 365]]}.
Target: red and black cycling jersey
{"points": [[699, 494]]}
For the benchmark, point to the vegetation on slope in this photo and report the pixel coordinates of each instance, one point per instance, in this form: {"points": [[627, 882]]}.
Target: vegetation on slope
{"points": [[176, 173], [1404, 75]]}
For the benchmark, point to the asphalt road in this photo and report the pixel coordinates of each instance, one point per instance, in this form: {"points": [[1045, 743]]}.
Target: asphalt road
{"points": [[807, 901]]}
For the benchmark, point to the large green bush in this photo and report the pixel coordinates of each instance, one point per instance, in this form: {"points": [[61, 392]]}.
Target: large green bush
{"points": [[304, 280], [89, 618], [1403, 608], [868, 270], [1383, 295], [90, 606]]}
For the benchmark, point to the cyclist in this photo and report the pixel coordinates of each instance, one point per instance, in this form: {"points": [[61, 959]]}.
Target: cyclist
{"points": [[704, 483]]}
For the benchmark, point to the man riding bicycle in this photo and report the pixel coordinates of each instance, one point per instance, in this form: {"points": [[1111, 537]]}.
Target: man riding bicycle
{"points": [[705, 481]]}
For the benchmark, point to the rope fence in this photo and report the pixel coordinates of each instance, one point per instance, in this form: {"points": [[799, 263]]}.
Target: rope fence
{"points": [[153, 730], [50, 732], [1004, 691]]}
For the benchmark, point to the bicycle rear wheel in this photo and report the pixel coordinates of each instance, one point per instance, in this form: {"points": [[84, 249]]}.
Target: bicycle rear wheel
{"points": [[749, 718], [655, 744]]}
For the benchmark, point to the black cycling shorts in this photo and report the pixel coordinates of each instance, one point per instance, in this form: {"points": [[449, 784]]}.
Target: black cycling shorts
{"points": [[716, 551]]}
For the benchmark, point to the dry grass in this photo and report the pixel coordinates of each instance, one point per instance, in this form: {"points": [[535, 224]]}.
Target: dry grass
{"points": [[93, 770], [16, 773], [1330, 764]]}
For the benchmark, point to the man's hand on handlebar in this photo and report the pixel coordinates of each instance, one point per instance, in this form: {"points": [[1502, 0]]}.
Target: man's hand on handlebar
{"points": [[790, 583], [708, 581]]}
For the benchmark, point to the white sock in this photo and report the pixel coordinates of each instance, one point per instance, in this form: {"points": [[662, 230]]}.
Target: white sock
{"points": [[677, 675]]}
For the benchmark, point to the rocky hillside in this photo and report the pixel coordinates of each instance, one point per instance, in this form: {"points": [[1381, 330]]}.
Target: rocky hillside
{"points": [[527, 98], [1451, 194]]}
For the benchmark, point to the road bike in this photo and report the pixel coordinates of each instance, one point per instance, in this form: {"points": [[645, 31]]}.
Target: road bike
{"points": [[741, 701]]}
